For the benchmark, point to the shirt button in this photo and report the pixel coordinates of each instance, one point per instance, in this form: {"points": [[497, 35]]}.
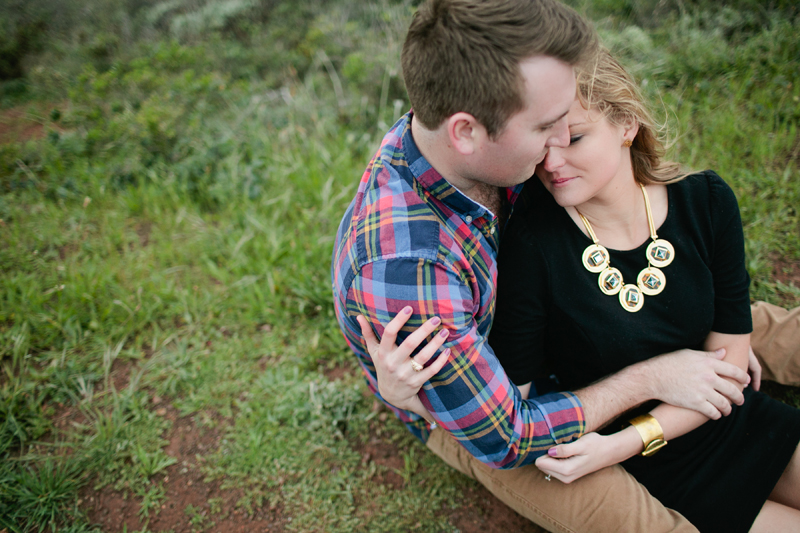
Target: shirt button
{"points": [[492, 230], [468, 219]]}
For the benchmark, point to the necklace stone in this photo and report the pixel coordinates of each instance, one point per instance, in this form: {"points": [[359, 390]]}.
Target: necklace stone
{"points": [[650, 281]]}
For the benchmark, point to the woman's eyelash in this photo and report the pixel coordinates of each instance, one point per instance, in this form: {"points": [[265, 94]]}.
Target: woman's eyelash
{"points": [[575, 138]]}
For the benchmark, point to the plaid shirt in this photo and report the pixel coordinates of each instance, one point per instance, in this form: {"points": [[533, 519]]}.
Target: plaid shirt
{"points": [[411, 238]]}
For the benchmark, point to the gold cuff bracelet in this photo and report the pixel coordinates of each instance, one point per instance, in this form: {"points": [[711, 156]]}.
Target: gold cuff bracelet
{"points": [[650, 431]]}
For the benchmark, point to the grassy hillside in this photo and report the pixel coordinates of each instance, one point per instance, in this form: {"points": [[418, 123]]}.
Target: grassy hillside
{"points": [[172, 174]]}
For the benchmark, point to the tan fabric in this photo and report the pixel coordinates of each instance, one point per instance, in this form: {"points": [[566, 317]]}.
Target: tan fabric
{"points": [[776, 342], [608, 500]]}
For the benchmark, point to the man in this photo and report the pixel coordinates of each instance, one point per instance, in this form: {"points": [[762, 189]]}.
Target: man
{"points": [[490, 84]]}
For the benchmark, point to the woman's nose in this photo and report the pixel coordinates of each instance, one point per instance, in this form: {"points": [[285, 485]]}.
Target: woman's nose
{"points": [[553, 160]]}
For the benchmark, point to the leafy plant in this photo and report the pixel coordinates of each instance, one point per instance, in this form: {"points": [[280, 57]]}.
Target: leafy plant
{"points": [[35, 498]]}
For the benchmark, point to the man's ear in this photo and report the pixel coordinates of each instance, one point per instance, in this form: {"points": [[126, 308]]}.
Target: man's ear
{"points": [[465, 133]]}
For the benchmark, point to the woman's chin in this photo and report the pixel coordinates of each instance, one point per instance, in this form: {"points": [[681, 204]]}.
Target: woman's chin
{"points": [[565, 199]]}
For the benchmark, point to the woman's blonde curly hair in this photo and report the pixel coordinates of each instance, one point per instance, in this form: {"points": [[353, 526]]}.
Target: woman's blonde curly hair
{"points": [[605, 85]]}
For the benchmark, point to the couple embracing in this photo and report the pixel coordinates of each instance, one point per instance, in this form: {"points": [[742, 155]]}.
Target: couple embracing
{"points": [[572, 311]]}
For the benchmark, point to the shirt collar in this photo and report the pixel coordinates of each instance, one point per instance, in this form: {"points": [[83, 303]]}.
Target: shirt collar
{"points": [[433, 182]]}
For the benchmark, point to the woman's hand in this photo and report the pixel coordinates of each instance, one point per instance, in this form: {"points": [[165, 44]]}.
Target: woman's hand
{"points": [[590, 453], [398, 381]]}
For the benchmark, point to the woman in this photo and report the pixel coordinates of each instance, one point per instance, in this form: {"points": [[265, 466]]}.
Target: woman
{"points": [[612, 255]]}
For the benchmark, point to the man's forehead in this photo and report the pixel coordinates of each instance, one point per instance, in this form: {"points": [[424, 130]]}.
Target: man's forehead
{"points": [[549, 88], [545, 123]]}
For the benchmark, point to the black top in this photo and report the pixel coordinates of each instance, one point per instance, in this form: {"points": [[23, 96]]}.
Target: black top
{"points": [[553, 318]]}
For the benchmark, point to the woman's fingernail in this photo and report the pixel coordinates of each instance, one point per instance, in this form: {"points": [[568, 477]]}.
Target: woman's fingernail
{"points": [[444, 333], [436, 321], [446, 353], [407, 310], [552, 452]]}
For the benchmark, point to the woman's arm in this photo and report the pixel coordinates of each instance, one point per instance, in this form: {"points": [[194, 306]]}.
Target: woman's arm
{"points": [[568, 462], [676, 421]]}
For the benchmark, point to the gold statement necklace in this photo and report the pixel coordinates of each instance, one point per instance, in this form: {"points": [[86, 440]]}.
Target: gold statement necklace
{"points": [[650, 281]]}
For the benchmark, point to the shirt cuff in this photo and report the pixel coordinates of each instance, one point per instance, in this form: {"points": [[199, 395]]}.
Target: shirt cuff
{"points": [[563, 414]]}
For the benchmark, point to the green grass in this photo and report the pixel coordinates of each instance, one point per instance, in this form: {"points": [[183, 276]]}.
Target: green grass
{"points": [[170, 237]]}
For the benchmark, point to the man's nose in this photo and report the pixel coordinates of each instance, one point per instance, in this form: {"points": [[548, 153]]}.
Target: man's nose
{"points": [[560, 136]]}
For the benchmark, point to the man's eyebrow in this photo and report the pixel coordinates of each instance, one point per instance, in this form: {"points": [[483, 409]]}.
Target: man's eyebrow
{"points": [[550, 123]]}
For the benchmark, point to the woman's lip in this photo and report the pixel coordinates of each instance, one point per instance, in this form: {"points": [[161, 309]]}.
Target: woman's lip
{"points": [[560, 181]]}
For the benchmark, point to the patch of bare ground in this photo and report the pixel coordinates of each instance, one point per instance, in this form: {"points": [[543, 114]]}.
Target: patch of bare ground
{"points": [[184, 484], [26, 122], [120, 374], [335, 373], [214, 509], [481, 511], [143, 230], [66, 416], [785, 271], [794, 152], [788, 273]]}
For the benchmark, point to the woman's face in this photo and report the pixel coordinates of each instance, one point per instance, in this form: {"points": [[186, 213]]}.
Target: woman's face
{"points": [[595, 166]]}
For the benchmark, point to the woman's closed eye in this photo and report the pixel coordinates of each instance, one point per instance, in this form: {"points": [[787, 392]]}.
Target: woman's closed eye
{"points": [[575, 138]]}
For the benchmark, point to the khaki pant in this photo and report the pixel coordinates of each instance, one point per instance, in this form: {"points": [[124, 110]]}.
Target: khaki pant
{"points": [[776, 342], [611, 499]]}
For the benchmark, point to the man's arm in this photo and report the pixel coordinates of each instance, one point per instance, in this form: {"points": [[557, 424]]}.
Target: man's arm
{"points": [[686, 378], [593, 452], [471, 397], [399, 383]]}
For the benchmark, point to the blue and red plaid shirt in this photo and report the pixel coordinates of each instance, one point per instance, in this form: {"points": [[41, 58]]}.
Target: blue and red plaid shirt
{"points": [[411, 238]]}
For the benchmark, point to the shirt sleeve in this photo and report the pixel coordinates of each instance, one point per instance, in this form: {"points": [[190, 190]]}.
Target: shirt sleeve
{"points": [[471, 397], [731, 281]]}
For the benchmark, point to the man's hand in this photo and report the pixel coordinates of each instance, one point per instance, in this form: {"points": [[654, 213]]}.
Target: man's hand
{"points": [[696, 380]]}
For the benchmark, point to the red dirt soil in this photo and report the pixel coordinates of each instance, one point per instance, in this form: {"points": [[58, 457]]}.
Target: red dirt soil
{"points": [[483, 514], [788, 273], [26, 122], [184, 485]]}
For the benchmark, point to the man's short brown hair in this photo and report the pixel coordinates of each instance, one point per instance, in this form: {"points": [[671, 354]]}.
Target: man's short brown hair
{"points": [[464, 55]]}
